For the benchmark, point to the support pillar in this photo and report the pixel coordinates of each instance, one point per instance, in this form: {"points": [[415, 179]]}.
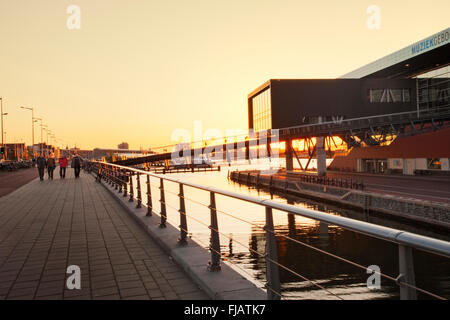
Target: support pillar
{"points": [[289, 156], [321, 157]]}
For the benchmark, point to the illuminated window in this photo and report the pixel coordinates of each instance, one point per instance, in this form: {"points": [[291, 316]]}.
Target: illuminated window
{"points": [[262, 113]]}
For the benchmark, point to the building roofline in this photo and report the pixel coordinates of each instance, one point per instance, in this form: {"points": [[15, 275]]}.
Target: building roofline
{"points": [[418, 48]]}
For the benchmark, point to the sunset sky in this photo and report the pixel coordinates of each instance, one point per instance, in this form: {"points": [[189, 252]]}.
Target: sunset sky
{"points": [[139, 69]]}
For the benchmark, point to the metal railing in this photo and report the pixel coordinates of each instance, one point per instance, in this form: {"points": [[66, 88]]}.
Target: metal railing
{"points": [[121, 178]]}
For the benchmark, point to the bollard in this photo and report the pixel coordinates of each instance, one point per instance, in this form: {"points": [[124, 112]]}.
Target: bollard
{"points": [[183, 219], [131, 187], [406, 269], [163, 205], [139, 195], [149, 198], [214, 246], [272, 270]]}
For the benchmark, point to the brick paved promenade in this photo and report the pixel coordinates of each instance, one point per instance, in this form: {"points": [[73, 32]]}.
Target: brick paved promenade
{"points": [[47, 226]]}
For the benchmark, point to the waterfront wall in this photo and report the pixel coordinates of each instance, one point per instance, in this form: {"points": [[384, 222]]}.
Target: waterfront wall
{"points": [[433, 213]]}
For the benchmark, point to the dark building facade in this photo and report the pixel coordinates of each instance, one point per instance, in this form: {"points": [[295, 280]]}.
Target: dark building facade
{"points": [[281, 103], [415, 77]]}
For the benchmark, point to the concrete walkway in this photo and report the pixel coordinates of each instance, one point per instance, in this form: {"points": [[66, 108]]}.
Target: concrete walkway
{"points": [[47, 226]]}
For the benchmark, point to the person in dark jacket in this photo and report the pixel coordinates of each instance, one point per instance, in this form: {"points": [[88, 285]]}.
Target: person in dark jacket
{"points": [[41, 164], [76, 165], [51, 165]]}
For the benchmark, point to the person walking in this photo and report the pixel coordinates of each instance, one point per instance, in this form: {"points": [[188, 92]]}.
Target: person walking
{"points": [[63, 163], [41, 164], [51, 164], [76, 165]]}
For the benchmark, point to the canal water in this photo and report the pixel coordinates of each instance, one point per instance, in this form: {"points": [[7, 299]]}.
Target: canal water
{"points": [[243, 242]]}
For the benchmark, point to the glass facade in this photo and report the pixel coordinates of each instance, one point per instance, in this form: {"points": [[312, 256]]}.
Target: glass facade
{"points": [[262, 111], [434, 88]]}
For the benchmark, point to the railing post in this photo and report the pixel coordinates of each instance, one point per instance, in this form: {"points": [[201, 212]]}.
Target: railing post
{"points": [[163, 204], [125, 183], [131, 187], [183, 219], [102, 173], [116, 175], [272, 270], [139, 195], [108, 174], [406, 269], [120, 179], [111, 176], [99, 173], [149, 198], [214, 264]]}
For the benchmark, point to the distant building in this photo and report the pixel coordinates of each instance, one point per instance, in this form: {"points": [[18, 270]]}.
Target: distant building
{"points": [[15, 151], [123, 145], [42, 148]]}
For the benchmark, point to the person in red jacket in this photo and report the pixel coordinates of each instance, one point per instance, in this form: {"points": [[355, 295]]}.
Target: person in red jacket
{"points": [[63, 163]]}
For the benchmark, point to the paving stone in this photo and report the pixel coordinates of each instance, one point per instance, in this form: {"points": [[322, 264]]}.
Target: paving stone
{"points": [[133, 292], [110, 297], [143, 297], [105, 291]]}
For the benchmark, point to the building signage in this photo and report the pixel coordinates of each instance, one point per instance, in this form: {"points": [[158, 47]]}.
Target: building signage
{"points": [[434, 41]]}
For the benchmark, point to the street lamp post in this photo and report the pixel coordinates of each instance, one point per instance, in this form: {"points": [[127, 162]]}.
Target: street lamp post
{"points": [[1, 103], [6, 149], [32, 126], [53, 142], [43, 127], [47, 149], [3, 114], [41, 143]]}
